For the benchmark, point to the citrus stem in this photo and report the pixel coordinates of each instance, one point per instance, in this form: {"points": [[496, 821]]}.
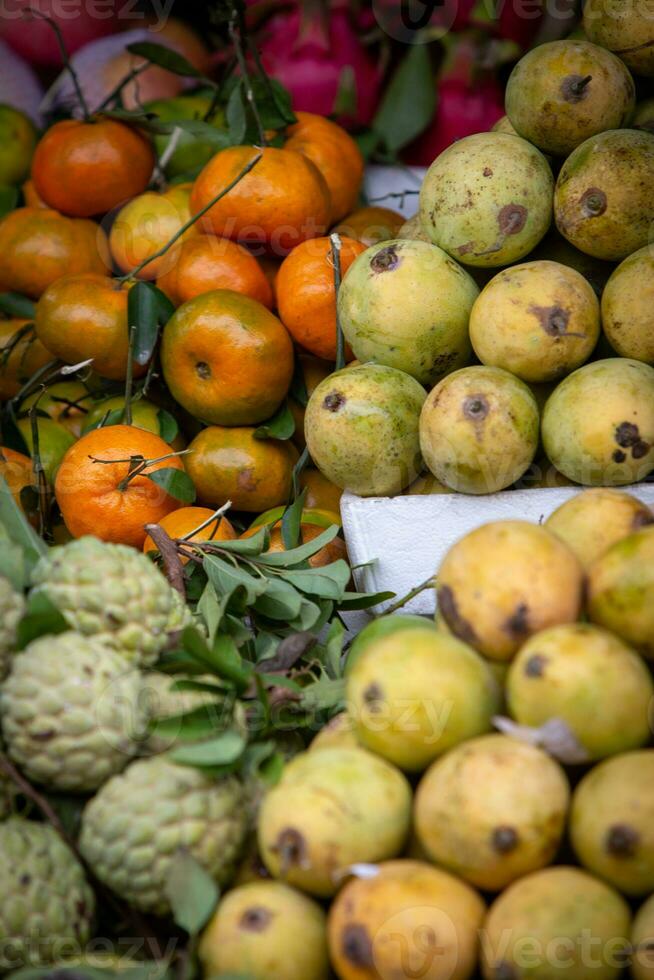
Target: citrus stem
{"points": [[172, 563], [215, 516], [66, 60], [129, 77], [189, 224], [127, 408], [236, 37], [335, 241], [43, 489], [427, 584]]}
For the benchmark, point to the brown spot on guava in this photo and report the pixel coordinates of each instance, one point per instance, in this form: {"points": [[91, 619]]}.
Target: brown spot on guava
{"points": [[593, 202], [619, 456], [627, 434], [622, 841], [535, 666], [385, 260], [356, 945], [504, 840], [512, 218], [488, 172], [465, 249], [246, 480], [291, 847], [255, 919], [640, 449], [553, 319], [642, 519], [203, 370], [26, 880], [456, 622], [372, 696], [333, 401], [518, 623], [574, 88], [476, 407]]}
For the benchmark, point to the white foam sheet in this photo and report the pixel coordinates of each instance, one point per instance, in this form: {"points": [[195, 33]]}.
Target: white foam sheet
{"points": [[406, 538], [380, 182]]}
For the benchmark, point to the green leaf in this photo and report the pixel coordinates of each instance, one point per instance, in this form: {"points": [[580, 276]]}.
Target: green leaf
{"points": [[219, 751], [235, 116], [271, 771], [249, 547], [409, 100], [15, 304], [41, 617], [334, 648], [294, 556], [292, 522], [310, 615], [226, 577], [280, 426], [345, 103], [189, 725], [324, 694], [8, 200], [176, 483], [18, 527], [142, 314], [280, 601], [192, 892], [274, 103], [328, 582], [364, 600], [209, 607], [13, 564], [166, 58], [220, 139], [298, 390], [168, 427]]}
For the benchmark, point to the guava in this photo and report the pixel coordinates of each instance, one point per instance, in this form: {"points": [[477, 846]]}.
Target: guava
{"points": [[538, 320], [612, 821], [505, 581], [643, 117], [378, 628], [604, 196], [491, 810], [555, 248], [628, 307], [554, 923], [625, 28], [562, 92], [593, 520], [415, 693], [479, 429], [642, 942], [405, 919], [407, 304], [487, 199], [598, 424], [361, 427], [588, 678], [338, 733], [412, 229]]}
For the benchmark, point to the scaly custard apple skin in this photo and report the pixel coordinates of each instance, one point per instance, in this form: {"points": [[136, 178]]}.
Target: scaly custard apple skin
{"points": [[12, 607], [140, 821], [113, 592], [71, 708], [46, 904]]}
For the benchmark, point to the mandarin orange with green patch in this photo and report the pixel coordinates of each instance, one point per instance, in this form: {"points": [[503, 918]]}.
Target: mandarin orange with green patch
{"points": [[145, 225], [39, 246], [204, 263], [102, 490], [187, 523], [226, 359], [371, 225], [232, 464]]}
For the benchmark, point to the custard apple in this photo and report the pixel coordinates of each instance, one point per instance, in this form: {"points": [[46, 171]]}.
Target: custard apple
{"points": [[46, 903], [12, 607], [162, 701], [113, 592], [137, 824], [71, 709]]}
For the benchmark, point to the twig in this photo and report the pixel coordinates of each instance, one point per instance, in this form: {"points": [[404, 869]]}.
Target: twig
{"points": [[129, 77], [189, 224], [32, 12], [236, 37], [335, 242], [172, 563], [216, 515], [129, 374], [427, 584]]}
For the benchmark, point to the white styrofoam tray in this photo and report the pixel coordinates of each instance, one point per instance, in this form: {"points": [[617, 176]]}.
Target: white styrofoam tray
{"points": [[405, 538]]}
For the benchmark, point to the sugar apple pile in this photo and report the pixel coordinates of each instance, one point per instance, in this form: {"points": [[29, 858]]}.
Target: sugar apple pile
{"points": [[114, 593], [137, 824], [12, 607], [71, 711], [46, 905]]}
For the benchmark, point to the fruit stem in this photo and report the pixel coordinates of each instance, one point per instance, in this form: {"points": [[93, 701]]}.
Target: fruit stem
{"points": [[215, 516], [172, 563], [236, 35], [127, 407], [66, 60], [335, 241], [578, 87], [429, 583], [43, 489], [129, 77], [189, 224]]}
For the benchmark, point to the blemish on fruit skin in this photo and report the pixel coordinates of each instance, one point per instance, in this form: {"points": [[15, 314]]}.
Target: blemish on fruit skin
{"points": [[475, 408], [627, 435], [291, 848], [642, 519], [372, 696], [593, 202], [356, 945], [574, 88], [333, 401], [535, 666], [619, 456], [246, 480], [518, 623], [255, 919], [553, 319], [385, 260], [203, 370], [488, 172], [455, 621], [512, 218], [622, 840], [504, 840]]}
